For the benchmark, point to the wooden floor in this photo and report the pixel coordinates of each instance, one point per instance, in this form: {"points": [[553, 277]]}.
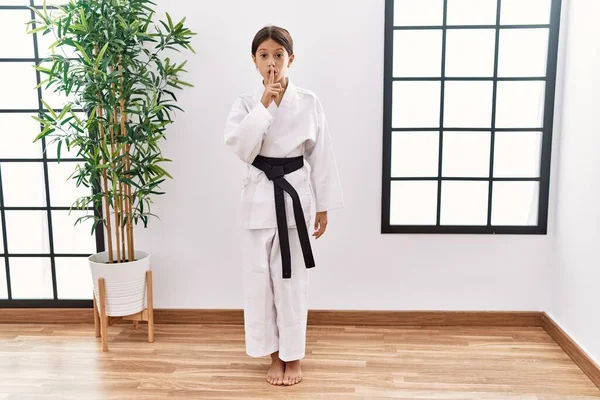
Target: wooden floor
{"points": [[209, 362]]}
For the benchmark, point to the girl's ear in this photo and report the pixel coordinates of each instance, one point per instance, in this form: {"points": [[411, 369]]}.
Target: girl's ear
{"points": [[291, 60]]}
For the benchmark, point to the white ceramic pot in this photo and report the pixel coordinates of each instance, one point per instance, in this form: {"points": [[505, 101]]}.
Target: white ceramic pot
{"points": [[125, 283]]}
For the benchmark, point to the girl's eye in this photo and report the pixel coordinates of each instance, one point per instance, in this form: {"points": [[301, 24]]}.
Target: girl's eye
{"points": [[279, 55]]}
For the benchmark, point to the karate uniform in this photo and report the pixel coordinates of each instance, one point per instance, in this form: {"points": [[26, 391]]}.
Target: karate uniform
{"points": [[275, 290]]}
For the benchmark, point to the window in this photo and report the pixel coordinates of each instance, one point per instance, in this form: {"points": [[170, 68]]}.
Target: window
{"points": [[468, 110], [43, 255]]}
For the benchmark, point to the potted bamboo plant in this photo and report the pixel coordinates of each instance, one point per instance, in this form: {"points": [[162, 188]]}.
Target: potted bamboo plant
{"points": [[108, 56]]}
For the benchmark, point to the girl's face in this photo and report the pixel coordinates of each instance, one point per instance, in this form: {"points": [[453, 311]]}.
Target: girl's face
{"points": [[272, 56]]}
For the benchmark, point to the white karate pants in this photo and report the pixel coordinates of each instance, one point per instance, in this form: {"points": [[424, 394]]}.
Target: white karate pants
{"points": [[275, 309]]}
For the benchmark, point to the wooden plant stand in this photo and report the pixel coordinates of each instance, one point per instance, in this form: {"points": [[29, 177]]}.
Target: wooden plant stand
{"points": [[102, 321]]}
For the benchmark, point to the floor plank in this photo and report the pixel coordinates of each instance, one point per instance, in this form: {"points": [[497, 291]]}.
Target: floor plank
{"points": [[343, 362]]}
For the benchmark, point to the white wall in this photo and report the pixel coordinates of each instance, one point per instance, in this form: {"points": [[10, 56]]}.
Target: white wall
{"points": [[576, 265], [339, 55]]}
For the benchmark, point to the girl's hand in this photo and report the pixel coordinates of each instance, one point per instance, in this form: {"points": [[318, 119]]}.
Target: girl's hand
{"points": [[320, 223], [272, 90]]}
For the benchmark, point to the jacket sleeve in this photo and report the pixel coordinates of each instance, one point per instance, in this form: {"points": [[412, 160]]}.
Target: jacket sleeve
{"points": [[246, 128], [324, 172]]}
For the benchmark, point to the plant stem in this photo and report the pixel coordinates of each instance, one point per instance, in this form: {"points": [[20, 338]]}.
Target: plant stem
{"points": [[116, 194], [121, 189], [128, 200], [106, 189]]}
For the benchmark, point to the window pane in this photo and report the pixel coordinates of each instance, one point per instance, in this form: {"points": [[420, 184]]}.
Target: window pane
{"points": [[71, 238], [51, 2], [1, 239], [13, 26], [27, 232], [416, 105], [468, 105], [413, 203], [418, 53], [63, 189], [515, 203], [18, 79], [464, 203], [3, 284], [415, 154], [422, 12], [517, 154], [31, 278], [523, 52], [466, 154], [472, 12], [470, 52], [520, 12], [73, 278], [17, 132], [520, 104], [23, 184]]}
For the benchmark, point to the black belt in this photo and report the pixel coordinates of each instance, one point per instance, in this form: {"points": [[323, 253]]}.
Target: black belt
{"points": [[275, 169]]}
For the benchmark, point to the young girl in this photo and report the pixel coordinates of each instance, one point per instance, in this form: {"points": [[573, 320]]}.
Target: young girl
{"points": [[281, 134]]}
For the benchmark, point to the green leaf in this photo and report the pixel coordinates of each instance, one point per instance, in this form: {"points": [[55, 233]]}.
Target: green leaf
{"points": [[180, 24], [95, 225], [101, 54], [166, 26], [82, 51], [130, 182], [39, 29], [181, 66], [50, 110], [122, 22], [64, 111], [38, 119], [43, 16], [48, 130], [39, 85], [52, 70], [189, 47], [162, 171], [78, 28], [67, 22], [148, 20], [83, 20], [182, 83], [65, 77]]}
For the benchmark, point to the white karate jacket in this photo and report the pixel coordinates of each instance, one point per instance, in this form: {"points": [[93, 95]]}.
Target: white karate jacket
{"points": [[297, 127]]}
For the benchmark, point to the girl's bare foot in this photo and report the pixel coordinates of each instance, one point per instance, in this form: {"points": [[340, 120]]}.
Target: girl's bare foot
{"points": [[275, 374], [293, 373]]}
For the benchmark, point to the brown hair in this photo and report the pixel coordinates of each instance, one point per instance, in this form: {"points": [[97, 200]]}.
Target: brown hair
{"points": [[279, 35]]}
